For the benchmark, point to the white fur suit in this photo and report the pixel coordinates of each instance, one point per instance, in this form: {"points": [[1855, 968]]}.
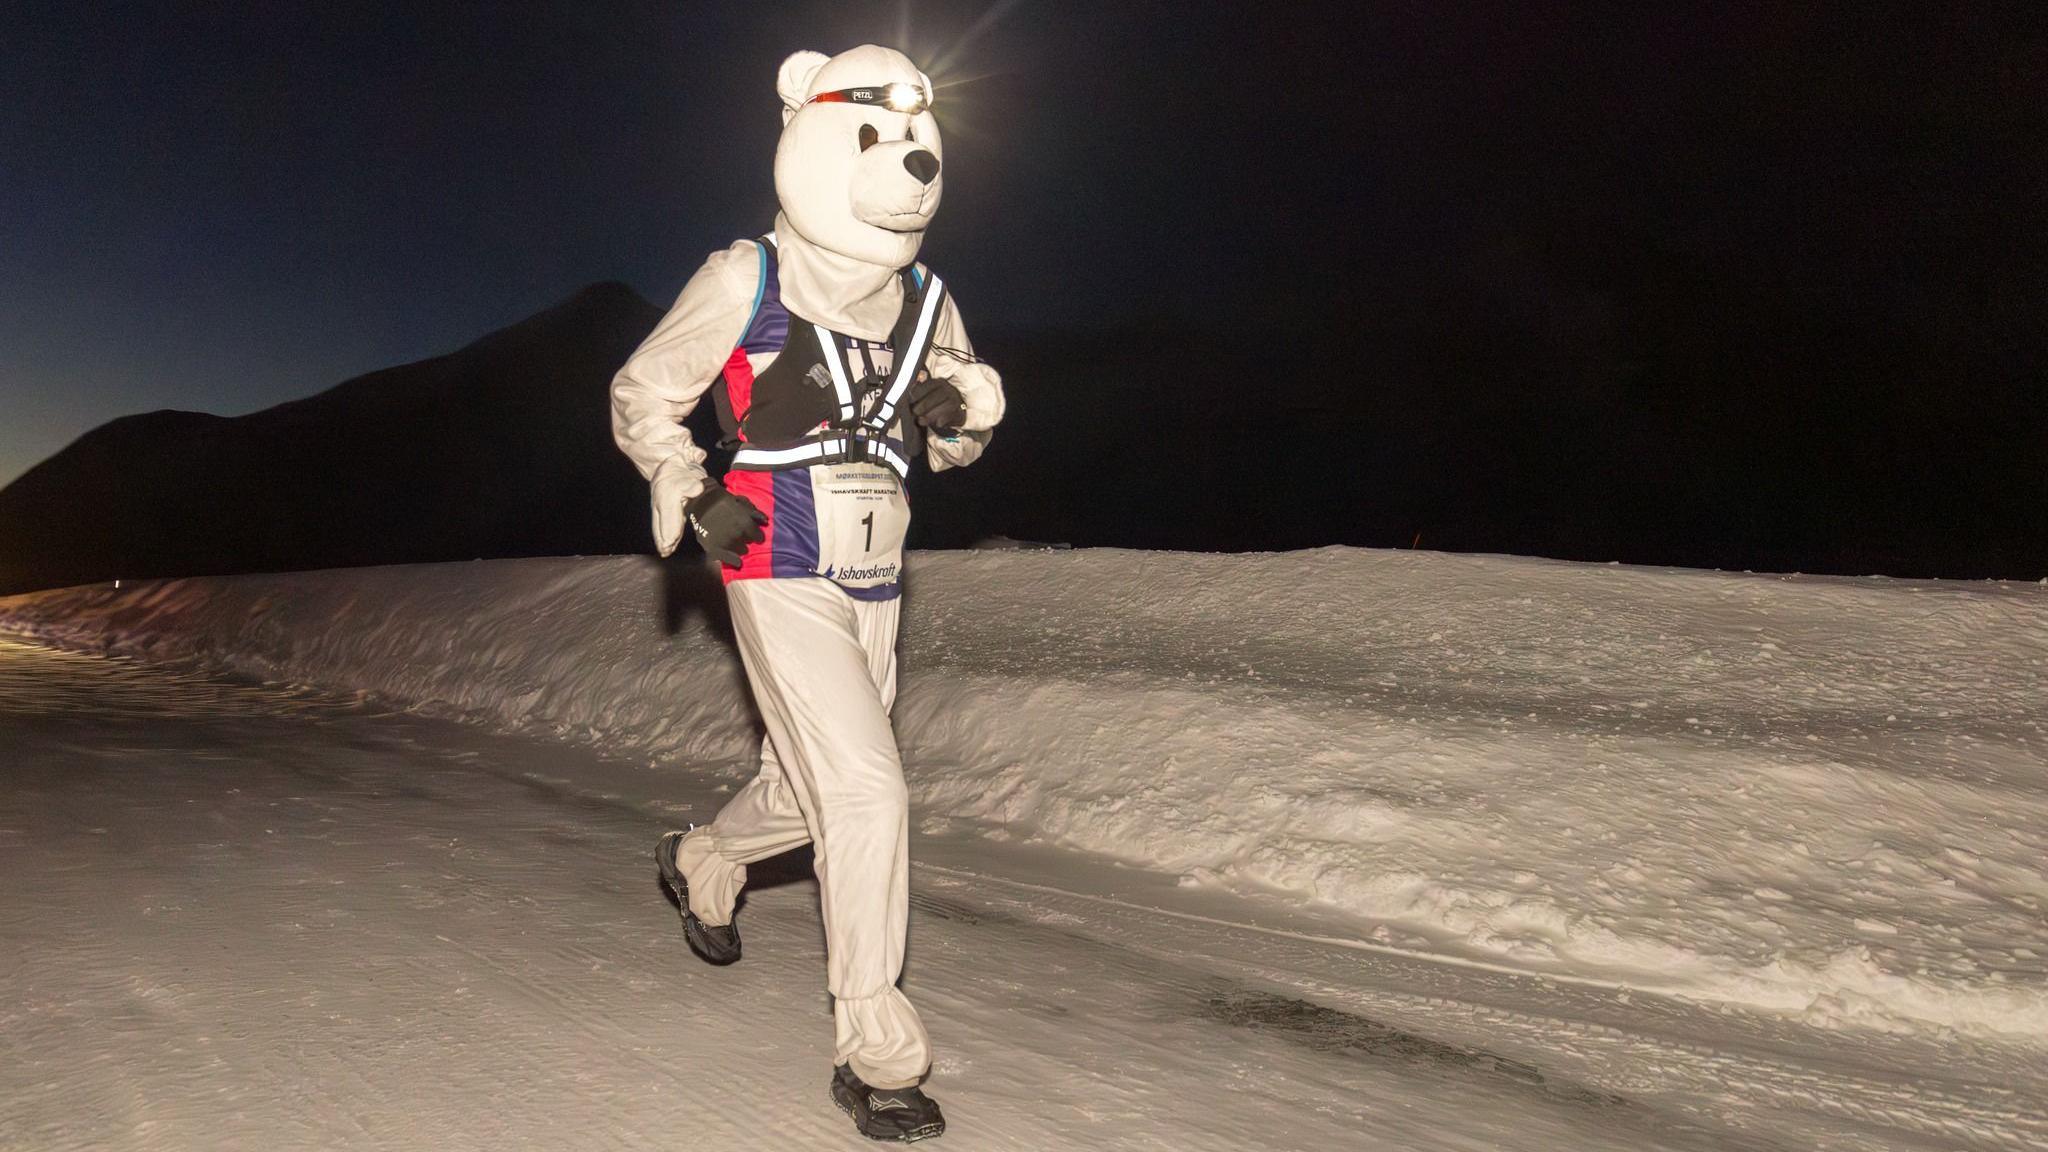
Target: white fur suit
{"points": [[814, 604]]}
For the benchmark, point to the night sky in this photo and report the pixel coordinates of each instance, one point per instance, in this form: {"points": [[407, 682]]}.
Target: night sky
{"points": [[219, 207], [222, 206]]}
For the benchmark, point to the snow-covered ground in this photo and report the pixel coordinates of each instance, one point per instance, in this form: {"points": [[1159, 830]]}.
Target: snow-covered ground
{"points": [[1813, 796], [1699, 855], [246, 917]]}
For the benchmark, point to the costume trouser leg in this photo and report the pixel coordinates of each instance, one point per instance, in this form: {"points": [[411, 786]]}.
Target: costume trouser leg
{"points": [[823, 670], [762, 819]]}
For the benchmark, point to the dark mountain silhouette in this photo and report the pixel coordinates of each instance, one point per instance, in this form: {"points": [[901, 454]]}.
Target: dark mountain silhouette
{"points": [[1650, 431], [499, 449]]}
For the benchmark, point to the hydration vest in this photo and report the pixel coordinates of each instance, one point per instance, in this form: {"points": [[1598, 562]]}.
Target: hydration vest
{"points": [[821, 400]]}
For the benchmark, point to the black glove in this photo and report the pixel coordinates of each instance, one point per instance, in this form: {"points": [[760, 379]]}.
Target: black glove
{"points": [[725, 523], [936, 404]]}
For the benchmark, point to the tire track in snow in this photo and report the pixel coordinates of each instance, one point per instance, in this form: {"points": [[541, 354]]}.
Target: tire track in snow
{"points": [[1719, 1086]]}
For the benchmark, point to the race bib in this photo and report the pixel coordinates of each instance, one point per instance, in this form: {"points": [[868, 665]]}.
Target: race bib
{"points": [[862, 518]]}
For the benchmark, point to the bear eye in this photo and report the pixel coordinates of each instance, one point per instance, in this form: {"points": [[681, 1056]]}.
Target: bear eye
{"points": [[868, 137], [910, 131]]}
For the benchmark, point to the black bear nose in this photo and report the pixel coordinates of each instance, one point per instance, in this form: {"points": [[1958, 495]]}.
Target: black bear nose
{"points": [[922, 165]]}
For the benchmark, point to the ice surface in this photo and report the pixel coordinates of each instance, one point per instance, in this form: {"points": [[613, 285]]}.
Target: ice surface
{"points": [[1816, 798]]}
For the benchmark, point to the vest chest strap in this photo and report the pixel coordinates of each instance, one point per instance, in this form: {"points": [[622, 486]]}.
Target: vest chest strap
{"points": [[909, 359], [852, 448]]}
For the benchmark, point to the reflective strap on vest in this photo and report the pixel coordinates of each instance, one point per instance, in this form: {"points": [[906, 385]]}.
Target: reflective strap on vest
{"points": [[856, 438], [829, 344], [909, 359], [828, 450]]}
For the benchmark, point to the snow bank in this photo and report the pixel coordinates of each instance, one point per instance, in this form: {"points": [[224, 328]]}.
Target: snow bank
{"points": [[1814, 796]]}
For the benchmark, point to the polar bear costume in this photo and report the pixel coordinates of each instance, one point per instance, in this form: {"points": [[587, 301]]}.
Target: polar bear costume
{"points": [[835, 290]]}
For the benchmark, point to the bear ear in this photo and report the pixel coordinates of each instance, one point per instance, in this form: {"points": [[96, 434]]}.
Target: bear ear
{"points": [[794, 78]]}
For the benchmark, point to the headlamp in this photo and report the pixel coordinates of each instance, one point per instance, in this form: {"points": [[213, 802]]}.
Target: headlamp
{"points": [[908, 99]]}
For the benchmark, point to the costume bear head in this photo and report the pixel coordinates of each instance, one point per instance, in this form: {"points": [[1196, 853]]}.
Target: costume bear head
{"points": [[858, 167]]}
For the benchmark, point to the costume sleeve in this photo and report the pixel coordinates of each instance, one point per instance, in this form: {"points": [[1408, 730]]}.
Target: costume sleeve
{"points": [[981, 388], [670, 371]]}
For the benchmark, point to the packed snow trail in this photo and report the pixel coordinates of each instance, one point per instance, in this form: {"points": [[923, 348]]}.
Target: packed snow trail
{"points": [[242, 916], [1818, 798]]}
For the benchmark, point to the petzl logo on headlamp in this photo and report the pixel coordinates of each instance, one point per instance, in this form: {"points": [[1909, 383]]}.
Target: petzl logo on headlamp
{"points": [[908, 99]]}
